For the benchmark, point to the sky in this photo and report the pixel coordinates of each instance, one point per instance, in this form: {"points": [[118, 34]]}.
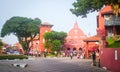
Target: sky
{"points": [[55, 12]]}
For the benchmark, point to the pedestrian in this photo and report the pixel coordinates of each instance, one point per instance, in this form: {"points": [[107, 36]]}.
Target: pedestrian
{"points": [[97, 58], [94, 58], [55, 53], [80, 53], [45, 54], [39, 54], [71, 55], [63, 54], [82, 56]]}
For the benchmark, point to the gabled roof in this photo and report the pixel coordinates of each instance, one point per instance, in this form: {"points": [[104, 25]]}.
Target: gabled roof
{"points": [[46, 24], [95, 38], [107, 10]]}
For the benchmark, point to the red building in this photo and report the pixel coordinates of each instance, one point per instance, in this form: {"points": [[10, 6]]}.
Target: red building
{"points": [[34, 45], [74, 39], [37, 44], [108, 25], [44, 27]]}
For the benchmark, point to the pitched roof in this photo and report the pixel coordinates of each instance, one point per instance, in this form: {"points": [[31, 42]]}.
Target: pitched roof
{"points": [[46, 24], [107, 10], [95, 38]]}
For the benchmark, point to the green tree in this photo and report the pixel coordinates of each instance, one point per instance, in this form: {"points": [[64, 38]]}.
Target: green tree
{"points": [[1, 44], [23, 28], [52, 37], [83, 7], [48, 40], [56, 45]]}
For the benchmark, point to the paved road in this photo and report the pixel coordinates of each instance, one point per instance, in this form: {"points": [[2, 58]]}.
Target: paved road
{"points": [[50, 65]]}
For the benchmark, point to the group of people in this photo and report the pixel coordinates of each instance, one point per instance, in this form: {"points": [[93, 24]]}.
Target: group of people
{"points": [[73, 53], [80, 54]]}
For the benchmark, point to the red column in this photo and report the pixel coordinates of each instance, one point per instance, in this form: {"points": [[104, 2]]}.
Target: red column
{"points": [[86, 51]]}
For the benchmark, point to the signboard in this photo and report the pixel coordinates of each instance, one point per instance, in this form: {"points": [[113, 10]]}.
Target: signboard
{"points": [[116, 55]]}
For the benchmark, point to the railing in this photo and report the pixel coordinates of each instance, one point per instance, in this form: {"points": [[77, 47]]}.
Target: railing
{"points": [[111, 20]]}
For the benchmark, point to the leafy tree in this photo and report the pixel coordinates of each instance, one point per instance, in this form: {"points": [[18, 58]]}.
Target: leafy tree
{"points": [[26, 29], [61, 36], [52, 37], [48, 40], [83, 7], [56, 45], [1, 44]]}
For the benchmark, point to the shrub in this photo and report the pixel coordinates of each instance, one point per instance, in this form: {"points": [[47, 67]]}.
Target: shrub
{"points": [[113, 42], [51, 55], [5, 56], [116, 37]]}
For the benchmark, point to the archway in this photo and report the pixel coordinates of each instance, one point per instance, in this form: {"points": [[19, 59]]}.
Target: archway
{"points": [[68, 49], [80, 48], [74, 49]]}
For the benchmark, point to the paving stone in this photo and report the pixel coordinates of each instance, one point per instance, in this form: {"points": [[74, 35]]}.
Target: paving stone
{"points": [[50, 65]]}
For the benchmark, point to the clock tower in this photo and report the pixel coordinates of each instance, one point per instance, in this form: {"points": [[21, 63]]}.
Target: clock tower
{"points": [[44, 27]]}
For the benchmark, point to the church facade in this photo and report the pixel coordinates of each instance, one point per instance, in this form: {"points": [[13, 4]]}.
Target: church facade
{"points": [[74, 39]]}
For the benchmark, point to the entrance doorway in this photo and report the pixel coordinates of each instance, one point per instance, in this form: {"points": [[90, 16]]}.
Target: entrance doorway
{"points": [[68, 48], [74, 49]]}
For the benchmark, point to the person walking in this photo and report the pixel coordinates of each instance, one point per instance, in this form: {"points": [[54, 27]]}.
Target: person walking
{"points": [[94, 58], [97, 58], [79, 53], [71, 55]]}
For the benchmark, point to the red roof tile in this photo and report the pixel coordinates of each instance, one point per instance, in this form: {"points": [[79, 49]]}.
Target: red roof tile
{"points": [[95, 38], [107, 10]]}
